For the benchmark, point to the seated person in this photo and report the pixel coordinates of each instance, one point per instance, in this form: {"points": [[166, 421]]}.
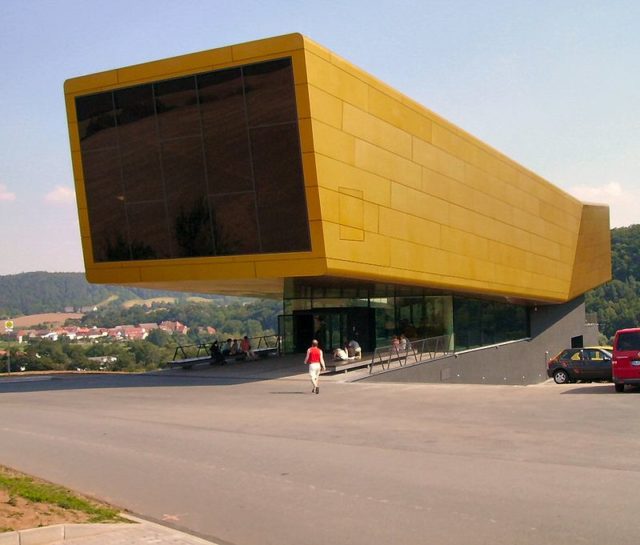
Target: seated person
{"points": [[235, 349], [226, 350], [354, 349], [216, 354], [339, 354], [245, 348]]}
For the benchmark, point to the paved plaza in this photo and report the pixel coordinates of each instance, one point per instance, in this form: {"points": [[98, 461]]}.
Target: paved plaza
{"points": [[245, 454]]}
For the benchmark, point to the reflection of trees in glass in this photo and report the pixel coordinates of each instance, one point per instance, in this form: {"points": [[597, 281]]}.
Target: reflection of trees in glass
{"points": [[193, 232], [121, 250], [225, 243]]}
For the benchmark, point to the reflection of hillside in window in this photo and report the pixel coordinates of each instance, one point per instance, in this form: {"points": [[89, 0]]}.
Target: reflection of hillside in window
{"points": [[224, 130], [177, 107], [133, 104], [96, 121]]}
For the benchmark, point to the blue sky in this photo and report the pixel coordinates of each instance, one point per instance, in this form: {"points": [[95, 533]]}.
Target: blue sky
{"points": [[555, 85]]}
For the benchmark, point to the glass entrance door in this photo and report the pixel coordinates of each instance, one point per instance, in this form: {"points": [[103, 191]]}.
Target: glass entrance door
{"points": [[332, 327]]}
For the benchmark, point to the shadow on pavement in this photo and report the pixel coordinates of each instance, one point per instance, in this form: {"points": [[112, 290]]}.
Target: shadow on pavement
{"points": [[588, 389], [282, 367]]}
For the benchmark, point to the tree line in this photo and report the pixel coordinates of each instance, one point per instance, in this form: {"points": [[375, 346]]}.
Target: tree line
{"points": [[617, 303], [41, 292]]}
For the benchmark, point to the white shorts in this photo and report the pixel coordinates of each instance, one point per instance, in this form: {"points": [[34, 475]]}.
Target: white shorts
{"points": [[314, 371]]}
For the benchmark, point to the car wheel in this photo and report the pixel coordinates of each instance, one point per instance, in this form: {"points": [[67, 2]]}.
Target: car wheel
{"points": [[619, 387], [560, 376]]}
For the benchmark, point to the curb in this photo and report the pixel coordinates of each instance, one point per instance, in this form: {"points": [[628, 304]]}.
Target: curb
{"points": [[59, 533], [56, 533]]}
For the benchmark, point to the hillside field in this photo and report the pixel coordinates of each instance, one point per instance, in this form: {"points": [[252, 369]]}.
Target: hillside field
{"points": [[53, 318]]}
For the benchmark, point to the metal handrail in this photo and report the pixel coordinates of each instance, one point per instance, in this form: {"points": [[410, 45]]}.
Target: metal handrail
{"points": [[418, 350], [200, 347], [270, 341]]}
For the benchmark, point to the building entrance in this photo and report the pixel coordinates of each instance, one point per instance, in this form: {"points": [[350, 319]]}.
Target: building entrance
{"points": [[332, 327]]}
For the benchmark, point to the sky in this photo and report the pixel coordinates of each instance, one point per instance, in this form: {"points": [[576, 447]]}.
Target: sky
{"points": [[555, 85]]}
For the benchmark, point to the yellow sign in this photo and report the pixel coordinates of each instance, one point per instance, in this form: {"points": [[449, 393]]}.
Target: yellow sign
{"points": [[8, 324]]}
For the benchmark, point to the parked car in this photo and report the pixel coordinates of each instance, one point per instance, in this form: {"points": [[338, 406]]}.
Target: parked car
{"points": [[626, 358], [587, 364]]}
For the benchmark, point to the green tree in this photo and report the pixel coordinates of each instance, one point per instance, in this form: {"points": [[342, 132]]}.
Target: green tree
{"points": [[159, 337]]}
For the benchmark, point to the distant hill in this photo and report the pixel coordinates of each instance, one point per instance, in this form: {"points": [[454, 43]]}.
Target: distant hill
{"points": [[617, 303], [43, 292]]}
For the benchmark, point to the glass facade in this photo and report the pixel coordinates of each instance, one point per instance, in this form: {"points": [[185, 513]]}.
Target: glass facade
{"points": [[481, 322], [335, 309], [204, 165]]}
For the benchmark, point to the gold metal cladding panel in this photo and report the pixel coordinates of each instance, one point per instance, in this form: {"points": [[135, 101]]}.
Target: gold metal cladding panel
{"points": [[592, 264], [512, 232]]}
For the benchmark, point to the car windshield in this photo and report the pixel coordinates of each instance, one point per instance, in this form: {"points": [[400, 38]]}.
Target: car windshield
{"points": [[629, 341]]}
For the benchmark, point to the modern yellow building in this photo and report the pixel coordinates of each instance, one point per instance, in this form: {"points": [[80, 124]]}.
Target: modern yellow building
{"points": [[277, 168]]}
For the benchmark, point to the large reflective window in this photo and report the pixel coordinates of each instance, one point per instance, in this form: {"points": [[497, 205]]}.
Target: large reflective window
{"points": [[203, 165], [481, 323]]}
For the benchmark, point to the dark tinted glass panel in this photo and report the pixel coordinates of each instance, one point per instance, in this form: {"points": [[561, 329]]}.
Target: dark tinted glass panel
{"points": [[133, 105], [148, 230], [96, 121], [177, 107], [186, 192], [141, 174], [224, 127], [105, 201], [270, 93], [174, 169], [235, 224], [183, 169], [190, 224], [282, 214]]}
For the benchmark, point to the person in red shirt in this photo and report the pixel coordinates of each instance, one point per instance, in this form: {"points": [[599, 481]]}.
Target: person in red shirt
{"points": [[315, 361], [245, 348]]}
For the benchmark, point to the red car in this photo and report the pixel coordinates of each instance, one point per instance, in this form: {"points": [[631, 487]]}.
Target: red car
{"points": [[626, 358]]}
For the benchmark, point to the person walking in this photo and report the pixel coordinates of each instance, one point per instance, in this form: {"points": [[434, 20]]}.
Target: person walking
{"points": [[315, 361]]}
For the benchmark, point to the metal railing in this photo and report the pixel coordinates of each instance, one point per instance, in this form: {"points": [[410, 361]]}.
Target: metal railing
{"points": [[266, 342], [186, 351], [414, 352], [201, 350]]}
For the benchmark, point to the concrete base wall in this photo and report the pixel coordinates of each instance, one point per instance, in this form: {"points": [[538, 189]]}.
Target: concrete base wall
{"points": [[518, 362]]}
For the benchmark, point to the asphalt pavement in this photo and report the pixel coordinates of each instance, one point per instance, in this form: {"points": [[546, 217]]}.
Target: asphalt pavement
{"points": [[246, 455]]}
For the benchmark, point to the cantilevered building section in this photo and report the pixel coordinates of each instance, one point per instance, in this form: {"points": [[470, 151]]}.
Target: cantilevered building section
{"points": [[276, 168]]}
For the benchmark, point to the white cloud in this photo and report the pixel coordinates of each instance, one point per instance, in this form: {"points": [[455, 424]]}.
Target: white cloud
{"points": [[622, 201], [61, 195], [5, 194]]}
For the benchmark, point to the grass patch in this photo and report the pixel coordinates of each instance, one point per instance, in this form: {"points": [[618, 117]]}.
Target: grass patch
{"points": [[17, 485]]}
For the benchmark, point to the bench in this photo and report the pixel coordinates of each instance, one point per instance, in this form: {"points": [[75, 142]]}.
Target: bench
{"points": [[266, 352], [187, 361], [345, 365]]}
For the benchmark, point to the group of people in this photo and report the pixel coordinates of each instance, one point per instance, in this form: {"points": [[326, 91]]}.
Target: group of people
{"points": [[350, 351], [400, 343], [233, 348]]}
